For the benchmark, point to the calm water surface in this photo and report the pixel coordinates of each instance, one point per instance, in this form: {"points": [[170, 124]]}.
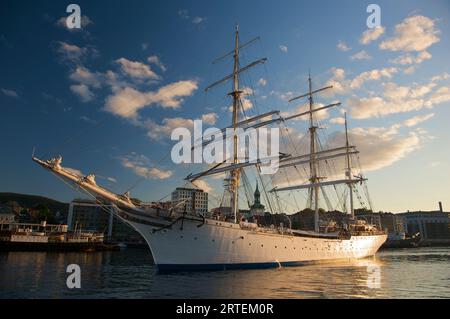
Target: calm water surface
{"points": [[397, 273]]}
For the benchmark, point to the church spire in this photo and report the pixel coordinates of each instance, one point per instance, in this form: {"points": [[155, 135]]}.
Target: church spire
{"points": [[257, 195], [257, 208]]}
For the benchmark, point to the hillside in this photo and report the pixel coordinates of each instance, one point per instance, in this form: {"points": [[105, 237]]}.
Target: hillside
{"points": [[30, 201]]}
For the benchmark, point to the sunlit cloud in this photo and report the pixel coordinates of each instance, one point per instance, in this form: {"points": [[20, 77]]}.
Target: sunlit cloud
{"points": [[416, 33], [9, 92], [126, 102], [361, 55], [371, 35], [140, 165], [342, 46]]}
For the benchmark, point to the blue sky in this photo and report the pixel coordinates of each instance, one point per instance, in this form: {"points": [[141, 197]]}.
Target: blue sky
{"points": [[105, 97]]}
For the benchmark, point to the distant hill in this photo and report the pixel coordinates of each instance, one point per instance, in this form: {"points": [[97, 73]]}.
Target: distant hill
{"points": [[30, 201]]}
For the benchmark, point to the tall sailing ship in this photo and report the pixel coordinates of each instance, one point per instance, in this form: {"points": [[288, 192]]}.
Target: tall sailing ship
{"points": [[194, 241]]}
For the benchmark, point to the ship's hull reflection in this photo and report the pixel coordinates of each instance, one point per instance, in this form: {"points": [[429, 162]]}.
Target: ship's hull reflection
{"points": [[407, 273]]}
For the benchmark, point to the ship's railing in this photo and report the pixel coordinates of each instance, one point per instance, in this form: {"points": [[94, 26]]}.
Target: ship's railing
{"points": [[367, 233]]}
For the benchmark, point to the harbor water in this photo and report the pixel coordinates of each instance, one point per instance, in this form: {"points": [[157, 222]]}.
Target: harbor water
{"points": [[394, 273]]}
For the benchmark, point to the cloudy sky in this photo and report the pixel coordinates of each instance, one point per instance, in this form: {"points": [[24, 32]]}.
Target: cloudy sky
{"points": [[107, 97]]}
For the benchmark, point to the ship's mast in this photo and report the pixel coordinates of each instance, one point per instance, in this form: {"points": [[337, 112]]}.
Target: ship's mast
{"points": [[313, 160], [313, 164], [349, 169], [235, 174], [235, 167]]}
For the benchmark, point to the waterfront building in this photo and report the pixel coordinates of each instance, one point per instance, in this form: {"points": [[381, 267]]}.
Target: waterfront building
{"points": [[196, 200], [12, 207], [391, 223], [88, 215], [7, 218], [433, 226]]}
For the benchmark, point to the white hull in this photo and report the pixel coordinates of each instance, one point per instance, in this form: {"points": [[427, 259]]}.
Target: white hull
{"points": [[222, 245], [180, 242]]}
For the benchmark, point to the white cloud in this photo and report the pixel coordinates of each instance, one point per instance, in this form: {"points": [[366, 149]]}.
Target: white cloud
{"points": [[409, 70], [416, 33], [283, 48], [361, 55], [337, 120], [137, 70], [157, 131], [164, 130], [407, 59], [398, 99], [171, 95], [440, 96], [246, 104], [86, 81], [73, 53], [284, 96], [338, 81], [85, 76], [319, 115], [342, 46], [342, 85], [262, 82], [394, 92], [183, 13], [157, 61], [88, 119], [372, 75], [126, 102], [371, 35], [210, 118], [379, 147], [363, 108], [203, 185], [413, 121], [139, 164], [83, 91], [111, 179], [198, 20], [85, 21], [440, 77], [10, 93]]}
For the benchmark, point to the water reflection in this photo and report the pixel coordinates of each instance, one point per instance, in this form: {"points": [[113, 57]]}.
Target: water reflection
{"points": [[407, 273]]}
